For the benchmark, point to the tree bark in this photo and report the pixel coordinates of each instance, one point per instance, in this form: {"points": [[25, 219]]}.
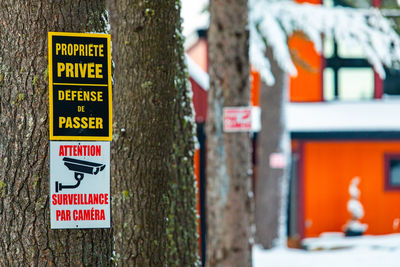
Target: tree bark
{"points": [[229, 162], [183, 248], [152, 161], [271, 139], [25, 235]]}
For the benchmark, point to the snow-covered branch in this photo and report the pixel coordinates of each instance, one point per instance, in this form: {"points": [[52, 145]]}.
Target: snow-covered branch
{"points": [[271, 23]]}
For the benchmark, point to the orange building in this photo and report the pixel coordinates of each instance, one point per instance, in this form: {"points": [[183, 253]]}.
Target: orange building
{"points": [[331, 144], [343, 122]]}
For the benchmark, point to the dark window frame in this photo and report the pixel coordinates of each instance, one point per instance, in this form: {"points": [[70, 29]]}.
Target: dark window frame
{"points": [[335, 62], [388, 157]]}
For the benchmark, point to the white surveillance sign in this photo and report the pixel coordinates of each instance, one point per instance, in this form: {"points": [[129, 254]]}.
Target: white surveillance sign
{"points": [[79, 184]]}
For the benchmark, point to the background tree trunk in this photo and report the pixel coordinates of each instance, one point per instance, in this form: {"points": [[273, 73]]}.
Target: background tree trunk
{"points": [[271, 139], [154, 196], [228, 163], [25, 235]]}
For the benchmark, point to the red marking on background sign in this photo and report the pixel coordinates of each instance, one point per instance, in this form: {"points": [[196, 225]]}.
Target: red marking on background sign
{"points": [[237, 119]]}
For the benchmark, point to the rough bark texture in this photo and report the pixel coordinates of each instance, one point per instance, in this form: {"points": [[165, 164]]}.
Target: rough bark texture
{"points": [[228, 163], [25, 235], [152, 161], [269, 180], [183, 249]]}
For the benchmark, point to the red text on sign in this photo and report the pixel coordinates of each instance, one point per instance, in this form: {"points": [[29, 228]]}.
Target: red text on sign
{"points": [[81, 215], [79, 150]]}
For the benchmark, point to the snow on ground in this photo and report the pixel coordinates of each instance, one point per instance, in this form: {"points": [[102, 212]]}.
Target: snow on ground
{"points": [[356, 257], [337, 240], [366, 251]]}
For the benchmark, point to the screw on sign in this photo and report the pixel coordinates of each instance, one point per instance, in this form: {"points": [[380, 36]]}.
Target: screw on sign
{"points": [[237, 119]]}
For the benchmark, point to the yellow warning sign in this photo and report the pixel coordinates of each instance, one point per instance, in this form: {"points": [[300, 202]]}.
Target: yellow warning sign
{"points": [[80, 92]]}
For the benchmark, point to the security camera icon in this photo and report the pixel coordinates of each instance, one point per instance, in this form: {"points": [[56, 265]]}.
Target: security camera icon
{"points": [[79, 167]]}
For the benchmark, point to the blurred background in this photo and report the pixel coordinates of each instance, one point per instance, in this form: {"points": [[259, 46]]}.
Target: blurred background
{"points": [[329, 167]]}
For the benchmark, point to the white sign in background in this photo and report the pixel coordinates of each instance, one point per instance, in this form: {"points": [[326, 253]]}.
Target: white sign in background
{"points": [[79, 185], [242, 119]]}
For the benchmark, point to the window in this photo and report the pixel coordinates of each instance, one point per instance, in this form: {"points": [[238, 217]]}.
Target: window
{"points": [[347, 74], [392, 172], [356, 83]]}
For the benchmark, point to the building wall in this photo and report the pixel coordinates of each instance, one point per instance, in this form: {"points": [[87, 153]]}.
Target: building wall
{"points": [[328, 169], [307, 85]]}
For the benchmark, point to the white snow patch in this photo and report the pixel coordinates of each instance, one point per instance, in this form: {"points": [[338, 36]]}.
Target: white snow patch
{"points": [[355, 207], [365, 251], [329, 241], [374, 115], [197, 73], [194, 18]]}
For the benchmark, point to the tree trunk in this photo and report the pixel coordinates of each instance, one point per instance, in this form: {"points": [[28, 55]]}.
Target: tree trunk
{"points": [[25, 235], [228, 164], [183, 249], [271, 139], [152, 161]]}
